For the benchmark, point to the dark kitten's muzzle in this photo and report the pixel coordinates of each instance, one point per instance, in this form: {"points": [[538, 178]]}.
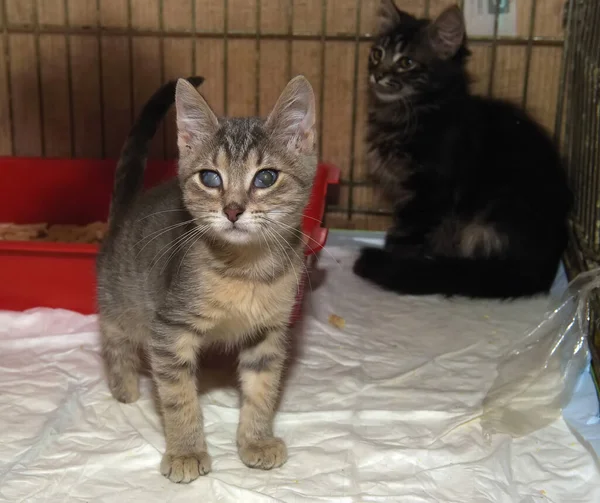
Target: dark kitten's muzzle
{"points": [[383, 82], [377, 77], [380, 78]]}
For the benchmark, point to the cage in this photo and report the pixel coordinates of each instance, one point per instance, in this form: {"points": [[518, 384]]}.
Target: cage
{"points": [[73, 74], [581, 144]]}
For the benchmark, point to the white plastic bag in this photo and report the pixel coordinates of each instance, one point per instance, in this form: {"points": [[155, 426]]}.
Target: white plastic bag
{"points": [[537, 377]]}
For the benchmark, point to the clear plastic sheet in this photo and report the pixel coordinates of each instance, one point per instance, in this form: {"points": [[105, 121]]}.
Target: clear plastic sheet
{"points": [[536, 378]]}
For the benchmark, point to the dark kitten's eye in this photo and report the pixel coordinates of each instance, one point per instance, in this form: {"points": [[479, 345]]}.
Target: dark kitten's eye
{"points": [[265, 178], [405, 63], [210, 178], [376, 55]]}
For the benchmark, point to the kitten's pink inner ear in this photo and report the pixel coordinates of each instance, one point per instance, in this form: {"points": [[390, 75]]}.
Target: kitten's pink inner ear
{"points": [[447, 32], [292, 121], [195, 119]]}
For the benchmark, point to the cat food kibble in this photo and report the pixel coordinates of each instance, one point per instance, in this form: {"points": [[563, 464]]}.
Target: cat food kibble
{"points": [[337, 321], [58, 233]]}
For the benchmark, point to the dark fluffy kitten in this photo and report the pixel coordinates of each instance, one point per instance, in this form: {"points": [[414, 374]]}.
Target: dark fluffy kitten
{"points": [[480, 195]]}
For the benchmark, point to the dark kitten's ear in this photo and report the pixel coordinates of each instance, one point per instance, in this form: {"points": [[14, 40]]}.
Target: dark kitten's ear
{"points": [[447, 32], [389, 16], [195, 119], [292, 121]]}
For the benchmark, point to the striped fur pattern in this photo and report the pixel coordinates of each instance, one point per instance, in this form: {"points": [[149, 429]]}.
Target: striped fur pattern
{"points": [[212, 257], [479, 191]]}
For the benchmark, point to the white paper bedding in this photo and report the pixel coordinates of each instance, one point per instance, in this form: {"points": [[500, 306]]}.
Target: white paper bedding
{"points": [[384, 410]]}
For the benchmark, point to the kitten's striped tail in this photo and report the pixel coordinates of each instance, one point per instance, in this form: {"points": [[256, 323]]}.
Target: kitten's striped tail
{"points": [[129, 176]]}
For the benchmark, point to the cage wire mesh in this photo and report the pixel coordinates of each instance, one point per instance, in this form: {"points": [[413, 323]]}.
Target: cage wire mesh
{"points": [[581, 145]]}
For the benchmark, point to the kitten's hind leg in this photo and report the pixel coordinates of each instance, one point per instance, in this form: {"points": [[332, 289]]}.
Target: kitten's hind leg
{"points": [[260, 369], [122, 360]]}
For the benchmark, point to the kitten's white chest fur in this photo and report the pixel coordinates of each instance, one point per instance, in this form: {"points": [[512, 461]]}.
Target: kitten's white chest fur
{"points": [[235, 308]]}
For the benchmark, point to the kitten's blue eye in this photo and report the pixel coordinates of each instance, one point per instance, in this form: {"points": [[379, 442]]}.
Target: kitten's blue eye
{"points": [[210, 178], [265, 178]]}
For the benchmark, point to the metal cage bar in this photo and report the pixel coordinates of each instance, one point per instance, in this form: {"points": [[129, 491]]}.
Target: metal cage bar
{"points": [[323, 40], [130, 56], [38, 71], [251, 35], [7, 76], [70, 78], [353, 124], [100, 82], [290, 42], [494, 50], [161, 56], [258, 20], [225, 56], [529, 51]]}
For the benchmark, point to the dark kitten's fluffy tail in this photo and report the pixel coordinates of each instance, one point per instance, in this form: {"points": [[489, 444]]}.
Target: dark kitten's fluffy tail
{"points": [[129, 176], [484, 278]]}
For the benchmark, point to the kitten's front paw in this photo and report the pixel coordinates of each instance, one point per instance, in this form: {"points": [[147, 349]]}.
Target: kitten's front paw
{"points": [[125, 389], [264, 454], [184, 469]]}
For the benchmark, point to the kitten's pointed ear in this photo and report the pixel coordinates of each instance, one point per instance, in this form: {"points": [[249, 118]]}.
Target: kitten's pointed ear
{"points": [[389, 16], [447, 32], [195, 120], [292, 120]]}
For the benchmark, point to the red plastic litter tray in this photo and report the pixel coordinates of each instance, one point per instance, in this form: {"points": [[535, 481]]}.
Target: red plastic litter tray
{"points": [[77, 191]]}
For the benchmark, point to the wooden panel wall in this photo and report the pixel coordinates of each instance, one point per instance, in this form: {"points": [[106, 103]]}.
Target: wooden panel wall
{"points": [[73, 73]]}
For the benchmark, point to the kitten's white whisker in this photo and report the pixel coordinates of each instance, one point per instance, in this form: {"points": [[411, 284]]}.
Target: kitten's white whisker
{"points": [[169, 246], [197, 237], [165, 249], [180, 246], [158, 213], [159, 233], [301, 259], [300, 233], [282, 248], [261, 235], [290, 213]]}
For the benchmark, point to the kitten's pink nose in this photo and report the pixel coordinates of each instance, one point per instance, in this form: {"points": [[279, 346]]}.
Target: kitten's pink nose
{"points": [[233, 212]]}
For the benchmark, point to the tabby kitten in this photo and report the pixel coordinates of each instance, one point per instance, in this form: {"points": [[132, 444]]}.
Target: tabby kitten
{"points": [[480, 196], [213, 256]]}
